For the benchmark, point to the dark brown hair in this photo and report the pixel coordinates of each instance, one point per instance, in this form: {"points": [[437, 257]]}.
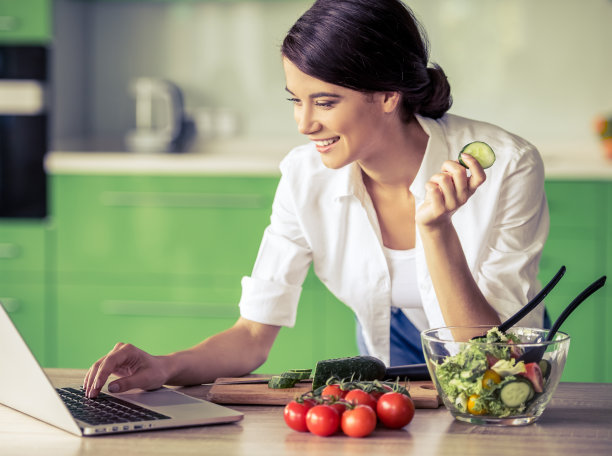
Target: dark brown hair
{"points": [[369, 46]]}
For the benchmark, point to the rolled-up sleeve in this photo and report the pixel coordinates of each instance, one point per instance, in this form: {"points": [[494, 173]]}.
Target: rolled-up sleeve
{"points": [[267, 302], [272, 292]]}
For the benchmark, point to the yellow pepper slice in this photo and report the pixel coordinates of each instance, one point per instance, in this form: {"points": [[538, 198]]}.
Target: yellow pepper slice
{"points": [[472, 407], [490, 378]]}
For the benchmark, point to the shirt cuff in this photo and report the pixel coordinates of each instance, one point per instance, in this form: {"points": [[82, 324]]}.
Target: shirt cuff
{"points": [[270, 303]]}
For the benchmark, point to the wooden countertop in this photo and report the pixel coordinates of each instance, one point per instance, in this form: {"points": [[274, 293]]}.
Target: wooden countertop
{"points": [[578, 421]]}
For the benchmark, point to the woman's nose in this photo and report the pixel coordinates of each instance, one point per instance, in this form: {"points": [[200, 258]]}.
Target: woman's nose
{"points": [[305, 122]]}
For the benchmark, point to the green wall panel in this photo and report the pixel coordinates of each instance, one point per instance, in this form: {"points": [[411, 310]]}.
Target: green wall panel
{"points": [[577, 240], [25, 21]]}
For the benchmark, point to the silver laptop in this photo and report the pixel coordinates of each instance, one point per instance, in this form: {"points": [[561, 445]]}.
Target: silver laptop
{"points": [[25, 387]]}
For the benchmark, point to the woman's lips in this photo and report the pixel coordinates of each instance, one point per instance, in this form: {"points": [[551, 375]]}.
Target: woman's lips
{"points": [[324, 145]]}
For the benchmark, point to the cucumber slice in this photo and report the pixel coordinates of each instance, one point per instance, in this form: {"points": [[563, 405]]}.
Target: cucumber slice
{"points": [[516, 392], [289, 378], [298, 374], [545, 367], [304, 373], [278, 382], [481, 151]]}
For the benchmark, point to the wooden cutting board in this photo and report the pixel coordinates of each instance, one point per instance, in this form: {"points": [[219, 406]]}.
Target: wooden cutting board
{"points": [[424, 394]]}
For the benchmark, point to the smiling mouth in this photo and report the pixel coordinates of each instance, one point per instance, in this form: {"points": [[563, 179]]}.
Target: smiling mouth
{"points": [[326, 142]]}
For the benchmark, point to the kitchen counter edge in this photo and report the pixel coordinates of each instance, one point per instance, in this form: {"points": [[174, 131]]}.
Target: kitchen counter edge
{"points": [[263, 159]]}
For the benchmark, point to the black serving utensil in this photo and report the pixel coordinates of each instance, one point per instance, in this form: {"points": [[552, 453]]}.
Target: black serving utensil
{"points": [[514, 319], [535, 354]]}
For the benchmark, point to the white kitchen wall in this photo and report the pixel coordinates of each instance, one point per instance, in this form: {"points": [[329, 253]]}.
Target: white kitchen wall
{"points": [[540, 68]]}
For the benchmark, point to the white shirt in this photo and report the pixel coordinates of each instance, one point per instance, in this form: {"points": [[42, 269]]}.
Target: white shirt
{"points": [[326, 217], [404, 286]]}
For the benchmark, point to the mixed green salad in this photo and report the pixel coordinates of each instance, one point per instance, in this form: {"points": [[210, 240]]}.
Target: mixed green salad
{"points": [[486, 379]]}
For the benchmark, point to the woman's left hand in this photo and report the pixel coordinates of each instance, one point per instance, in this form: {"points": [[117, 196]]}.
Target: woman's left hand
{"points": [[448, 190]]}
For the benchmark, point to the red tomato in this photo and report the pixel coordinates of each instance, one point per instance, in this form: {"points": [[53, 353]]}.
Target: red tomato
{"points": [[322, 420], [359, 422], [376, 394], [340, 407], [295, 414], [360, 397], [333, 390], [395, 410]]}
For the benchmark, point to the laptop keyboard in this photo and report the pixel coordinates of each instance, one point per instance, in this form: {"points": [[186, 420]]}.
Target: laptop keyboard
{"points": [[105, 409]]}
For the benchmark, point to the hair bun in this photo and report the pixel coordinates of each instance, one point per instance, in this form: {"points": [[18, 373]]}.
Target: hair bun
{"points": [[439, 100]]}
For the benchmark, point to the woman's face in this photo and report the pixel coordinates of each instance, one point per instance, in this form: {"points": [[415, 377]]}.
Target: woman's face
{"points": [[346, 125]]}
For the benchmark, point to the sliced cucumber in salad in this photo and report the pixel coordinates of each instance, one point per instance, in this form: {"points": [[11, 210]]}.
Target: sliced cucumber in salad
{"points": [[481, 151], [545, 367], [517, 392]]}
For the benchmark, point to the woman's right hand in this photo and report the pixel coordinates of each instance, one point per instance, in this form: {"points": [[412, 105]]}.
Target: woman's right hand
{"points": [[135, 367]]}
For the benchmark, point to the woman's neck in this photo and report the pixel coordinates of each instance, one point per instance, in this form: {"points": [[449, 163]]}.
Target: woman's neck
{"points": [[398, 159], [387, 177]]}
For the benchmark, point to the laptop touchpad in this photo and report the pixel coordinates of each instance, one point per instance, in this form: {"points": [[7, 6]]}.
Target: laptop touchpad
{"points": [[159, 398]]}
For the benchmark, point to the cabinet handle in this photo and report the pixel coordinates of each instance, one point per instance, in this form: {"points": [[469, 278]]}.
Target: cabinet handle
{"points": [[9, 250], [11, 305], [169, 309], [8, 23], [208, 200]]}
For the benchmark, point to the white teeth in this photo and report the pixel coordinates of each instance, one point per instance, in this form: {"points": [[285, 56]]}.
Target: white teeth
{"points": [[326, 142]]}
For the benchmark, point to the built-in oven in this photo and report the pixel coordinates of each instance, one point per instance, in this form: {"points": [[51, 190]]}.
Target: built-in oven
{"points": [[24, 123]]}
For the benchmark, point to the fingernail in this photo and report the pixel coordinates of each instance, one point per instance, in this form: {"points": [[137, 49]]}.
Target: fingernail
{"points": [[113, 387]]}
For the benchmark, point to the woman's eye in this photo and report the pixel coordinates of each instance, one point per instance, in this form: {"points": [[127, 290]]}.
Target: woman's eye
{"points": [[325, 104]]}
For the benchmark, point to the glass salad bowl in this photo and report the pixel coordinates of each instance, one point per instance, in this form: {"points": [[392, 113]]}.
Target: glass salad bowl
{"points": [[482, 380]]}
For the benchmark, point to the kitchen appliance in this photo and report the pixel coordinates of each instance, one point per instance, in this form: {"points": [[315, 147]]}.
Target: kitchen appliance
{"points": [[160, 124], [25, 387], [23, 131]]}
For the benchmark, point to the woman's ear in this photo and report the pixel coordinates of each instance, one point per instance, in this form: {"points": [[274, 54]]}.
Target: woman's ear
{"points": [[391, 101]]}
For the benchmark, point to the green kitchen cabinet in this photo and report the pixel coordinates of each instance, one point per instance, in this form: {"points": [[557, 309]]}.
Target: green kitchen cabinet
{"points": [[151, 260], [22, 246], [92, 318], [157, 261], [25, 21], [607, 333], [159, 225], [579, 233], [162, 318], [23, 281]]}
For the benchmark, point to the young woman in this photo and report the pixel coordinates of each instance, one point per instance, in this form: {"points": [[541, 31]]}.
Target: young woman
{"points": [[394, 226]]}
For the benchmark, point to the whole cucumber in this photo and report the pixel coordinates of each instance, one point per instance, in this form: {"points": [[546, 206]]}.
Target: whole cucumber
{"points": [[356, 367]]}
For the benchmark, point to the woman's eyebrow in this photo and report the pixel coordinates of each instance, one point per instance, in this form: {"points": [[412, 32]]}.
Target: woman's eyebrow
{"points": [[318, 94]]}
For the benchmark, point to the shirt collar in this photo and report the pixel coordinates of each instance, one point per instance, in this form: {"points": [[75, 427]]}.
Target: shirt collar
{"points": [[436, 153], [349, 180]]}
